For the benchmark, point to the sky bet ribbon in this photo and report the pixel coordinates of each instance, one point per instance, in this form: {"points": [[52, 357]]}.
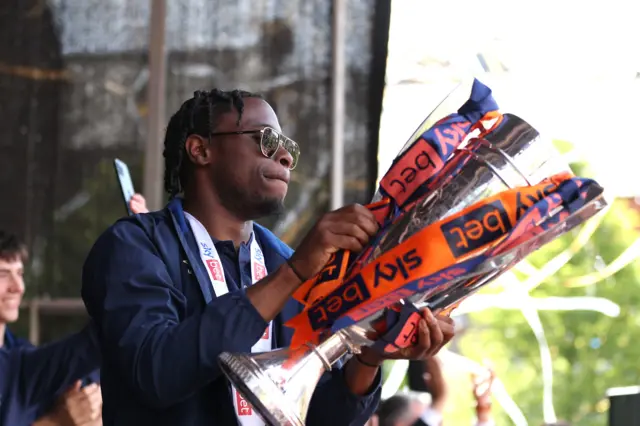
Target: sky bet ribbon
{"points": [[438, 254], [426, 156], [409, 176], [397, 327]]}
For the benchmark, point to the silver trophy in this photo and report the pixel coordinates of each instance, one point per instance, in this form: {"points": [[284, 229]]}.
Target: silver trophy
{"points": [[279, 384]]}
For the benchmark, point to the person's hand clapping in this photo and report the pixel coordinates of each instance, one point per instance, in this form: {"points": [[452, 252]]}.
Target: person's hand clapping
{"points": [[482, 384], [435, 382], [81, 406], [348, 228]]}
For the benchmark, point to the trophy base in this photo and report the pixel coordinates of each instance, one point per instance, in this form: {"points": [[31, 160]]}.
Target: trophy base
{"points": [[259, 390]]}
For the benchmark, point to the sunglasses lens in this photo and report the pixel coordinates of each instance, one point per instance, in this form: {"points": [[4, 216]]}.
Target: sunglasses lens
{"points": [[269, 142], [294, 150]]}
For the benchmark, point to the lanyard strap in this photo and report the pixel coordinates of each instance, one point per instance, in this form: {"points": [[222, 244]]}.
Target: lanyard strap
{"points": [[211, 260]]}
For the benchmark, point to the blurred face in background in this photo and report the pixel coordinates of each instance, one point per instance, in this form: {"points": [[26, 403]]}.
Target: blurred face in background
{"points": [[11, 288], [416, 410], [413, 413]]}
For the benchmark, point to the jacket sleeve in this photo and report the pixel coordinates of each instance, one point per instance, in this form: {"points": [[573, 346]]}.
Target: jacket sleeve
{"points": [[334, 404], [41, 372], [164, 358]]}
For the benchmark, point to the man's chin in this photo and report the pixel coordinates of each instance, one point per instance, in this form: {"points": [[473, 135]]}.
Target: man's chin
{"points": [[267, 207], [9, 316], [273, 207]]}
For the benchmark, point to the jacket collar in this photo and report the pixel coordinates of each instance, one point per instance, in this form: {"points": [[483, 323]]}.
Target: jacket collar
{"points": [[275, 251], [11, 341]]}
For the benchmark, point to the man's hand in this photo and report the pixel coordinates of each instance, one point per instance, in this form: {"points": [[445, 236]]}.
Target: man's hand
{"points": [[81, 406], [348, 228], [138, 204], [433, 333]]}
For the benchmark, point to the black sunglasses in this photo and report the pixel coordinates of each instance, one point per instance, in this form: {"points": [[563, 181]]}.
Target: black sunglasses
{"points": [[270, 141]]}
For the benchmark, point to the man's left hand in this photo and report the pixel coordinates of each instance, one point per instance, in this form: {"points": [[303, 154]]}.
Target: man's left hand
{"points": [[434, 331]]}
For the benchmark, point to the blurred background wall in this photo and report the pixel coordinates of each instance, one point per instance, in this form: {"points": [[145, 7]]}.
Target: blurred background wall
{"points": [[74, 84]]}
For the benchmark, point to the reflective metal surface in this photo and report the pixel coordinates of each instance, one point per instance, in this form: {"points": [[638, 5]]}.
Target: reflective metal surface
{"points": [[279, 384], [514, 156], [496, 266]]}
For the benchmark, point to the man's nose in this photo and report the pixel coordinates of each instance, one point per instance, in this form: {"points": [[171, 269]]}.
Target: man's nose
{"points": [[283, 157], [16, 284]]}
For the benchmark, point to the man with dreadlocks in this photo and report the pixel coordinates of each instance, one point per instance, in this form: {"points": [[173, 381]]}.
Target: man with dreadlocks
{"points": [[171, 290]]}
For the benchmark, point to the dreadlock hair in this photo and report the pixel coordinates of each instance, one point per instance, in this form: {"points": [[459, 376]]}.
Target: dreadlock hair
{"points": [[12, 248], [197, 116]]}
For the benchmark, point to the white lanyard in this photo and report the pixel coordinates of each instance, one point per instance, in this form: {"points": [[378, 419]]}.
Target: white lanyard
{"points": [[211, 260]]}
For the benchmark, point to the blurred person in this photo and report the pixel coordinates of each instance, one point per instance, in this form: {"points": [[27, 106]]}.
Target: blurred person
{"points": [[410, 409], [82, 405], [373, 421], [173, 289], [32, 379], [482, 394], [78, 406], [437, 385], [403, 409]]}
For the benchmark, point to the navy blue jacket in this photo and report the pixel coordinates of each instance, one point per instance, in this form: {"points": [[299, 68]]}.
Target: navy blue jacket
{"points": [[162, 328], [32, 377]]}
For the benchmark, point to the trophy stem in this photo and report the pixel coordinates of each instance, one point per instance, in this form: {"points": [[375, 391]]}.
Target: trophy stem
{"points": [[334, 347], [279, 384]]}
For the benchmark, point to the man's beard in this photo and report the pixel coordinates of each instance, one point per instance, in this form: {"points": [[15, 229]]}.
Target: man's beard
{"points": [[247, 205]]}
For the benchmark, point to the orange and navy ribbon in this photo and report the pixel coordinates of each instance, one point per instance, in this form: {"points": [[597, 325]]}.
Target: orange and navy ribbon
{"points": [[397, 327], [439, 254], [409, 177]]}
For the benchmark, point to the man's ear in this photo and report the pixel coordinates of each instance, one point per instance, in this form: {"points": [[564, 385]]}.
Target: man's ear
{"points": [[197, 149]]}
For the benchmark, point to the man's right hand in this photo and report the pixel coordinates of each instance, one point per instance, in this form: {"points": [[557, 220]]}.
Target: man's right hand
{"points": [[348, 228]]}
